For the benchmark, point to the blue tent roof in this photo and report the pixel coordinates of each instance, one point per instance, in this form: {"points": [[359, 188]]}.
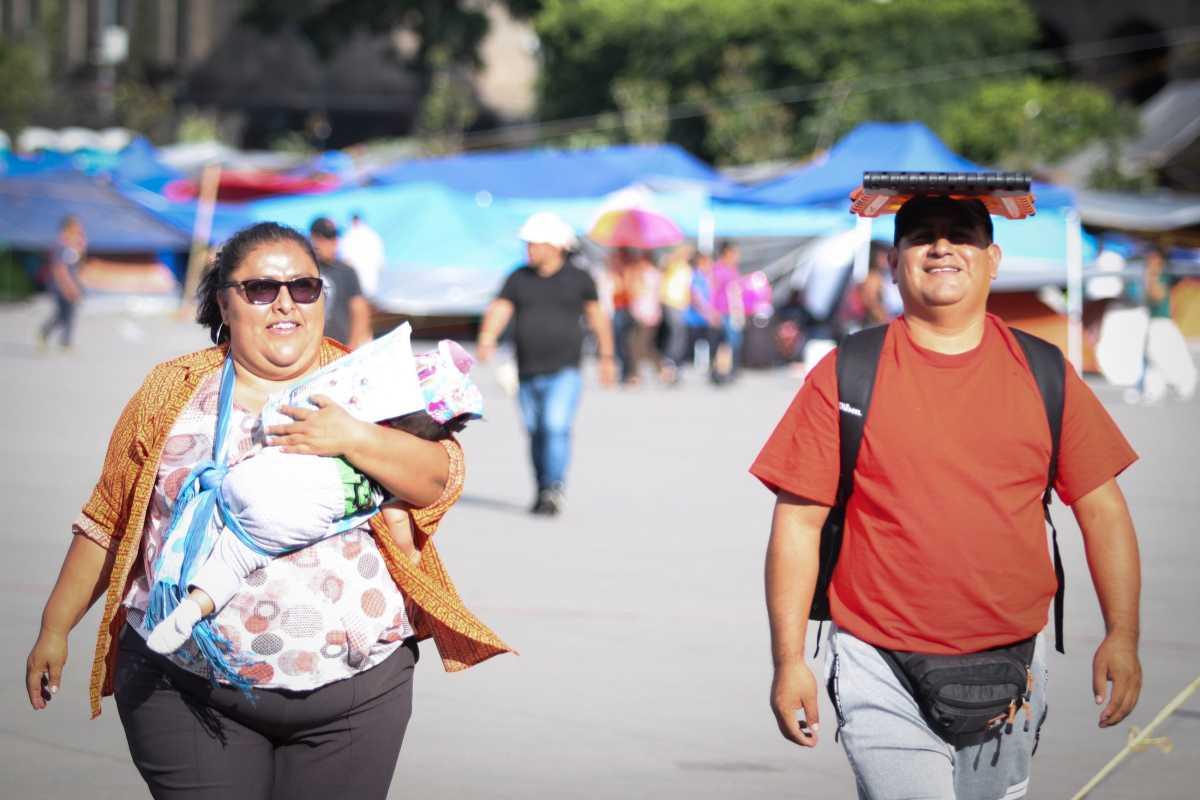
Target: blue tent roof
{"points": [[34, 205], [13, 165], [892, 146], [553, 173], [138, 163]]}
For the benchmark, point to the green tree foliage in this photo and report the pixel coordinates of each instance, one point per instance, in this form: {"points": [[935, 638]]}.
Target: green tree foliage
{"points": [[1023, 122], [747, 127], [834, 63], [643, 103], [448, 109], [144, 107], [24, 84]]}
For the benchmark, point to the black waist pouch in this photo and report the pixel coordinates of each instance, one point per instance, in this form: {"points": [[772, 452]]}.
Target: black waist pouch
{"points": [[966, 698]]}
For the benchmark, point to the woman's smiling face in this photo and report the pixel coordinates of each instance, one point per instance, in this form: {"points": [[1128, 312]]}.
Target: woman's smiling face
{"points": [[279, 340]]}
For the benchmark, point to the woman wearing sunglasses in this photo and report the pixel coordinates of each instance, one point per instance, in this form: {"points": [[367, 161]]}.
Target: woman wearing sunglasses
{"points": [[327, 713]]}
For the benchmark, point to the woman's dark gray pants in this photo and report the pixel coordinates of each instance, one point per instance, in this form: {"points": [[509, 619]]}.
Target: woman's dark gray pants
{"points": [[191, 740]]}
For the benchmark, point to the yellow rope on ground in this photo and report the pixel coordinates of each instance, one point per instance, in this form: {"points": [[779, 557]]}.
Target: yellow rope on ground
{"points": [[1139, 741]]}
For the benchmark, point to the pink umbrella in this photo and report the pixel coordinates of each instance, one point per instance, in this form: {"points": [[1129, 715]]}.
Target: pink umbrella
{"points": [[635, 227]]}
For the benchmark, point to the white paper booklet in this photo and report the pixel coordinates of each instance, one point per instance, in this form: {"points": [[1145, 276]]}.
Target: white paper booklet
{"points": [[375, 382]]}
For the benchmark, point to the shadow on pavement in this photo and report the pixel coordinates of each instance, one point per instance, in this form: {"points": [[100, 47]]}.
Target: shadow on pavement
{"points": [[494, 503]]}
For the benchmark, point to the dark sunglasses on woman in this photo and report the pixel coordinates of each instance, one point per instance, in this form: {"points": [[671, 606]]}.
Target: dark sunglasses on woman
{"points": [[261, 291]]}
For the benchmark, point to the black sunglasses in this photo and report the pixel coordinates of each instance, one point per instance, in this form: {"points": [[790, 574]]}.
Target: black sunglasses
{"points": [[261, 291]]}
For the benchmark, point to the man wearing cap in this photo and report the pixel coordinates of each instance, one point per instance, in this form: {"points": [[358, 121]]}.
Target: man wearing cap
{"points": [[347, 313], [546, 299], [944, 549]]}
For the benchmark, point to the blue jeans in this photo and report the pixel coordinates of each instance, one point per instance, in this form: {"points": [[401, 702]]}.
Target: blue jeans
{"points": [[548, 404], [63, 317], [623, 330]]}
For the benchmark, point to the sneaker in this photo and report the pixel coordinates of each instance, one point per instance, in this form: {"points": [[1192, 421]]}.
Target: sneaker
{"points": [[554, 499]]}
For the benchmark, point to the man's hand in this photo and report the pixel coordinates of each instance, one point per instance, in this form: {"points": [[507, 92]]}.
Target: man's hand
{"points": [[328, 431], [43, 668], [1116, 662], [794, 688], [484, 351], [608, 371]]}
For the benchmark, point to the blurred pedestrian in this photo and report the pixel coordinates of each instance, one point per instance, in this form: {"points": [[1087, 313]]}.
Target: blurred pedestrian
{"points": [[943, 579], [547, 299], [362, 248], [879, 295], [705, 323], [61, 274], [617, 285], [727, 301], [331, 645], [1166, 361], [645, 312], [676, 296], [791, 322], [347, 312]]}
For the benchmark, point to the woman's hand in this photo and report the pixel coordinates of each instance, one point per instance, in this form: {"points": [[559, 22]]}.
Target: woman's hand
{"points": [[81, 581], [43, 668], [327, 431]]}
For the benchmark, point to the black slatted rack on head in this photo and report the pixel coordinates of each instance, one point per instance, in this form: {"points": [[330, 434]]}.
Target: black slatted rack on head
{"points": [[957, 183], [1006, 194]]}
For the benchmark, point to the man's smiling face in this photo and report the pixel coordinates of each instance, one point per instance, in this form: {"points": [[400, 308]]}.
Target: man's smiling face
{"points": [[945, 258]]}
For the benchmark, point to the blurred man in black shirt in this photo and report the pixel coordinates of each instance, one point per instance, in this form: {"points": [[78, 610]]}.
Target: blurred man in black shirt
{"points": [[347, 313], [546, 300]]}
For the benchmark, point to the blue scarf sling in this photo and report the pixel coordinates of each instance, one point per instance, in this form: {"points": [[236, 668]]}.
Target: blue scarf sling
{"points": [[183, 552]]}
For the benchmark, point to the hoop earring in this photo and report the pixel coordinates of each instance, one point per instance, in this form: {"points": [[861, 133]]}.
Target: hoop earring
{"points": [[219, 329]]}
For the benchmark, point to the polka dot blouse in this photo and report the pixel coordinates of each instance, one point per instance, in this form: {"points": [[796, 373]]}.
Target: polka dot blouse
{"points": [[315, 616]]}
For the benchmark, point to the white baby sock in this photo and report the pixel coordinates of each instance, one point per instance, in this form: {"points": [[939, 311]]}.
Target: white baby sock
{"points": [[170, 634]]}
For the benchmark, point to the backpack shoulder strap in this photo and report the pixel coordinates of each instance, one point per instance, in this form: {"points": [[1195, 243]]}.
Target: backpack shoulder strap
{"points": [[857, 362], [1049, 370]]}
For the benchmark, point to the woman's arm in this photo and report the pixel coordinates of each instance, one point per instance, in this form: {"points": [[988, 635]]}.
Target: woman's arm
{"points": [[410, 469], [81, 580]]}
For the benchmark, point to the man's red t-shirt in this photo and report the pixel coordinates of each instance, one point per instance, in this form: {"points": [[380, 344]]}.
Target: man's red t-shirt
{"points": [[945, 543]]}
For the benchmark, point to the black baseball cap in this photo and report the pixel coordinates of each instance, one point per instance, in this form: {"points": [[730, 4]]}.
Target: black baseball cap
{"points": [[970, 210], [323, 227]]}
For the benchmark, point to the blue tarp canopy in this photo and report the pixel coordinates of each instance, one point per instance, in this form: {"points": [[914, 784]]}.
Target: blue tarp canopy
{"points": [[883, 146], [136, 163], [13, 165], [448, 251], [543, 173], [32, 206]]}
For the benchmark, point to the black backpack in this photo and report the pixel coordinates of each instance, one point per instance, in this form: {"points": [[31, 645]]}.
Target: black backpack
{"points": [[857, 360]]}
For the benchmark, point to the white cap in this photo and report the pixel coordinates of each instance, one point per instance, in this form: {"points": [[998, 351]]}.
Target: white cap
{"points": [[546, 227]]}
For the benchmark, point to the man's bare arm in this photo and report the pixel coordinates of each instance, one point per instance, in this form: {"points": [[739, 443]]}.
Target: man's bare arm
{"points": [[495, 318], [1112, 553], [791, 578]]}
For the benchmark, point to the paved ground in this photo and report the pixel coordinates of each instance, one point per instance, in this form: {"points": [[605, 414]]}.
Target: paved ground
{"points": [[644, 663]]}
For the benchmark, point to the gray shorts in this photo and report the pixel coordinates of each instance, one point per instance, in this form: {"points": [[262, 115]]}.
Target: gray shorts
{"points": [[894, 753]]}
